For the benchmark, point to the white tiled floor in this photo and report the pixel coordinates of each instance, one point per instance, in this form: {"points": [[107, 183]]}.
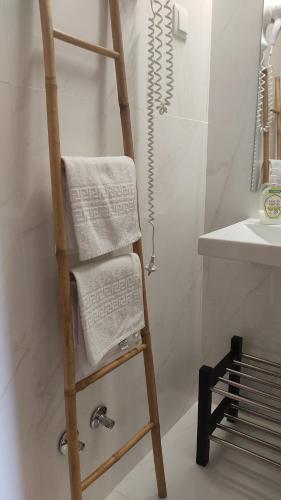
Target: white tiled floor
{"points": [[229, 476]]}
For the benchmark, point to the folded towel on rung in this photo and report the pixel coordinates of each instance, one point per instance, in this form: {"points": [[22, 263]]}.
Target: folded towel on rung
{"points": [[275, 171], [110, 304], [83, 367], [101, 204]]}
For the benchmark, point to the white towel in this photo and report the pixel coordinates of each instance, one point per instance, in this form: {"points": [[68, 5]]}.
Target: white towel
{"points": [[110, 303], [275, 171], [101, 206], [83, 367], [275, 164]]}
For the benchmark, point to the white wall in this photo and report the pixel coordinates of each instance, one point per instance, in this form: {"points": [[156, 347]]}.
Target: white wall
{"points": [[31, 382], [238, 298]]}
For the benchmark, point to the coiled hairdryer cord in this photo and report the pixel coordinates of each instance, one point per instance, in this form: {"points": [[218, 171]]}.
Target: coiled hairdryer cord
{"points": [[157, 98], [265, 71]]}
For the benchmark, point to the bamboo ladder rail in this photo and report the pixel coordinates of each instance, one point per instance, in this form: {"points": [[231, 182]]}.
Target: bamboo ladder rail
{"points": [[266, 132], [71, 388], [277, 111]]}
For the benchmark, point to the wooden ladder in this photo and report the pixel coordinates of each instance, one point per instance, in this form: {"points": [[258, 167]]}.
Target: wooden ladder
{"points": [[71, 388]]}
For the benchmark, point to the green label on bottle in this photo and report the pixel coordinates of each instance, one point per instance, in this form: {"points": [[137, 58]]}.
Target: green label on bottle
{"points": [[272, 202]]}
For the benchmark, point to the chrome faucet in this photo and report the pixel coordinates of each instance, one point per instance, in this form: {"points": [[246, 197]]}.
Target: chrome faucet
{"points": [[99, 417]]}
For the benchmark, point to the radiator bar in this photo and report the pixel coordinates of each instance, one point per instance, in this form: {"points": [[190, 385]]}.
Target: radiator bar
{"points": [[249, 423], [242, 399], [254, 379], [254, 413], [249, 389], [253, 439], [233, 446], [261, 360], [257, 369]]}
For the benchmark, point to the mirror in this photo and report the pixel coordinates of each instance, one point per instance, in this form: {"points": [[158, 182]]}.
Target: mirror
{"points": [[267, 146]]}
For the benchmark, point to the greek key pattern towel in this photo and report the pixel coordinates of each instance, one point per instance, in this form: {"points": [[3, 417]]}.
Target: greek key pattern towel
{"points": [[110, 303], [101, 204], [83, 367]]}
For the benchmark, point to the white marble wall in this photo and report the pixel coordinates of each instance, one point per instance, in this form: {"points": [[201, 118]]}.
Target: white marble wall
{"points": [[238, 298], [31, 386]]}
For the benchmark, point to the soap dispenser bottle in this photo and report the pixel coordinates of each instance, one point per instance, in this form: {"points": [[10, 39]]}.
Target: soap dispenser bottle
{"points": [[270, 206]]}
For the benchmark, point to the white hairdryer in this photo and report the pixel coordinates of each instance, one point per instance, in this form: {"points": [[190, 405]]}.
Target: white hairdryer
{"points": [[271, 15]]}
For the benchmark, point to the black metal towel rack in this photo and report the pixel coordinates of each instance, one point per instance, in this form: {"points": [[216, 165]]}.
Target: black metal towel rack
{"points": [[237, 367]]}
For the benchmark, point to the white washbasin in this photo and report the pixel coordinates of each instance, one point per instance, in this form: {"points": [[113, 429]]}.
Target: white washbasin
{"points": [[248, 240]]}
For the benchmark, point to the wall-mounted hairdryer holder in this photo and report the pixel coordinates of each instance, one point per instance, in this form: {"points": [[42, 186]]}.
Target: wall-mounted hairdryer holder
{"points": [[238, 365]]}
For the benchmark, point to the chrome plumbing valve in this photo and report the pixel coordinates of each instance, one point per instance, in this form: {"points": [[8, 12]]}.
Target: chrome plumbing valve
{"points": [[99, 417], [63, 444]]}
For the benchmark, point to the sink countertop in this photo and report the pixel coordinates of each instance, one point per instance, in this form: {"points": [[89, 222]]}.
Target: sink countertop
{"points": [[248, 241]]}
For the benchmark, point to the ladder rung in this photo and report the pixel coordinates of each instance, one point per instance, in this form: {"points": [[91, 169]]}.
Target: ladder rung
{"points": [[85, 382], [117, 456], [103, 51]]}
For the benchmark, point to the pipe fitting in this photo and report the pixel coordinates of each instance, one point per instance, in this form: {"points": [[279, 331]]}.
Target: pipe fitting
{"points": [[99, 417]]}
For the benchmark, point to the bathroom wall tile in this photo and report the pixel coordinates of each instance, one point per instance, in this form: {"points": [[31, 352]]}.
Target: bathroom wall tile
{"points": [[14, 327], [4, 75], [7, 172], [22, 61], [9, 441], [230, 152], [192, 63], [14, 339], [30, 157], [234, 78]]}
